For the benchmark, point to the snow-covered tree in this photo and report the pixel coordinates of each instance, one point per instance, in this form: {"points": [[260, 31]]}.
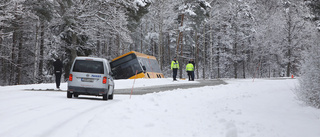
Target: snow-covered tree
{"points": [[16, 24], [315, 8], [231, 33], [309, 88], [235, 38], [97, 28]]}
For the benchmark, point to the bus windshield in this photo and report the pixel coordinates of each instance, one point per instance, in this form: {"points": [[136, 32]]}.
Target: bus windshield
{"points": [[126, 67], [150, 64]]}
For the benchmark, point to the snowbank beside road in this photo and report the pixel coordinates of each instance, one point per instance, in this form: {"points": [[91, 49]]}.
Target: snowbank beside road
{"points": [[263, 108]]}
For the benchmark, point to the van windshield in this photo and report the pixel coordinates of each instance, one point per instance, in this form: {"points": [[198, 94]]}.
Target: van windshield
{"points": [[88, 66]]}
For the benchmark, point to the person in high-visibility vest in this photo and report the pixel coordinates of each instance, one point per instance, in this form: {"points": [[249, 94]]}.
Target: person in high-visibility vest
{"points": [[174, 68], [194, 68], [190, 69]]}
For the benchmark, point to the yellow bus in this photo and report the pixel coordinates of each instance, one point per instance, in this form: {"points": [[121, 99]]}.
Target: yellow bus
{"points": [[127, 65]]}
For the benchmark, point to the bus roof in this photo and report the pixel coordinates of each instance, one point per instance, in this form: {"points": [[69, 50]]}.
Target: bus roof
{"points": [[138, 54]]}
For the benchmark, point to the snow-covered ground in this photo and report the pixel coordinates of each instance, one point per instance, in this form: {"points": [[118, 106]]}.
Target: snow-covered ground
{"points": [[242, 108]]}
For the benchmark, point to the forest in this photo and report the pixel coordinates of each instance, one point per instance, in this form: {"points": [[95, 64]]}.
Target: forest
{"points": [[226, 38]]}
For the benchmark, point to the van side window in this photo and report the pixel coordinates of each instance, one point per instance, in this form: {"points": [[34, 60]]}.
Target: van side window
{"points": [[88, 66]]}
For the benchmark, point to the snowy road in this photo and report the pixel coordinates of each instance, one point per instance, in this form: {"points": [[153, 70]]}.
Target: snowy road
{"points": [[242, 108]]}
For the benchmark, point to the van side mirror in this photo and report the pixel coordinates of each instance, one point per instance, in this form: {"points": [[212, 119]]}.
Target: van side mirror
{"points": [[111, 74]]}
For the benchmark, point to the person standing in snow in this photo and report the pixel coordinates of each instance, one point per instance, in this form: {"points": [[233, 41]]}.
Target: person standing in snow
{"points": [[57, 71], [190, 70], [174, 68]]}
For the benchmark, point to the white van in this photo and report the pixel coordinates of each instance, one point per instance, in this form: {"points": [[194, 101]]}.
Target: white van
{"points": [[90, 76]]}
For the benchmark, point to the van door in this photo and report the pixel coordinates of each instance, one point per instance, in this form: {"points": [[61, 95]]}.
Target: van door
{"points": [[88, 73]]}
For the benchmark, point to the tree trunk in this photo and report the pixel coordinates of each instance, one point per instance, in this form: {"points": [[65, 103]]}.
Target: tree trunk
{"points": [[289, 38], [244, 69], [99, 49], [19, 63], [40, 69], [197, 55], [141, 38], [36, 55], [180, 39], [235, 53], [160, 54], [12, 62], [152, 47], [218, 57], [204, 53], [289, 52], [289, 63], [74, 47], [120, 50], [211, 53], [169, 51], [181, 63], [178, 44], [20, 51], [179, 36], [104, 48], [73, 54], [3, 62]]}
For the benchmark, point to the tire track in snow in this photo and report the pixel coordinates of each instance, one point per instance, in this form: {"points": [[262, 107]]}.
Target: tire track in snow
{"points": [[81, 119], [67, 112]]}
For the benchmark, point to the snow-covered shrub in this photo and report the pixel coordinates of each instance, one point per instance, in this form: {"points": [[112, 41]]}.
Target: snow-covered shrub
{"points": [[309, 88]]}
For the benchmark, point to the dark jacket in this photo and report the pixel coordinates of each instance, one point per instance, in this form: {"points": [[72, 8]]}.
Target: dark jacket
{"points": [[194, 64], [57, 66]]}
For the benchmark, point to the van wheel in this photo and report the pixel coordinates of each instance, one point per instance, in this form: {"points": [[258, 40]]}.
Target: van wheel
{"points": [[105, 97], [76, 95], [69, 95], [111, 96]]}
